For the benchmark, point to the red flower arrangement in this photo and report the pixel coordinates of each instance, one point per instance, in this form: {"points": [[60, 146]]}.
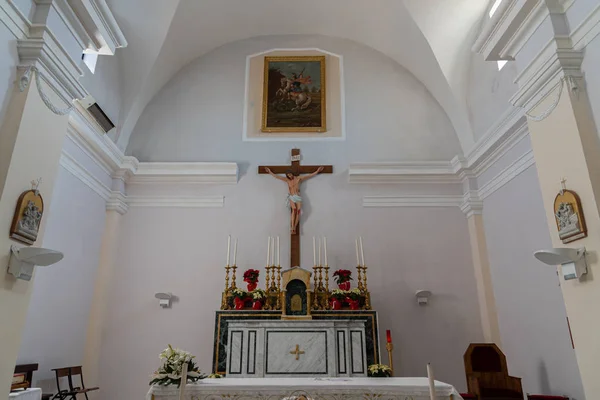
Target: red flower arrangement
{"points": [[251, 276], [342, 275]]}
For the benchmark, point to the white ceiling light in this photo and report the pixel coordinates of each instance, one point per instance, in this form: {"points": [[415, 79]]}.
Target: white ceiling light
{"points": [[495, 7]]}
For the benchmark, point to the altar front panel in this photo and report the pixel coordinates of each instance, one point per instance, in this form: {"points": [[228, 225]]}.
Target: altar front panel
{"points": [[224, 318], [296, 348]]}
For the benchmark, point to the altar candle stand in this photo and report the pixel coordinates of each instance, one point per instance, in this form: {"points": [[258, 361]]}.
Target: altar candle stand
{"points": [[389, 346]]}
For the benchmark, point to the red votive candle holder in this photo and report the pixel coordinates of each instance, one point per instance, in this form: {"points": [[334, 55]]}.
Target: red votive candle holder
{"points": [[388, 333]]}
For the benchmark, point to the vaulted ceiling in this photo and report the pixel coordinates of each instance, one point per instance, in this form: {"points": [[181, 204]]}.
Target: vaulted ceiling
{"points": [[430, 38]]}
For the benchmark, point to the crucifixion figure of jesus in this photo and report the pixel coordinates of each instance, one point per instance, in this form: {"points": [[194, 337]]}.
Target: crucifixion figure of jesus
{"points": [[293, 178], [294, 200]]}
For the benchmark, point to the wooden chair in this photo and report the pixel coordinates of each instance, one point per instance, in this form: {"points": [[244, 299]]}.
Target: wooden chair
{"points": [[487, 374], [72, 392]]}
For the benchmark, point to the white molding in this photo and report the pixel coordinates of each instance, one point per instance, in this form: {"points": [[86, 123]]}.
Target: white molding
{"points": [[587, 30], [472, 204], [541, 76], [185, 172], [176, 201], [13, 19], [69, 163], [507, 174], [117, 202], [402, 172], [245, 137], [501, 137], [413, 201], [74, 25]]}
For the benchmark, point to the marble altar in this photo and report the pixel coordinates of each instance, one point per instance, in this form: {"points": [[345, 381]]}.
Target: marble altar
{"points": [[296, 348], [224, 318], [307, 389]]}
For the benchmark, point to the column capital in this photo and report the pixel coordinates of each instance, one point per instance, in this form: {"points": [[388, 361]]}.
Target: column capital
{"points": [[472, 204], [117, 202]]}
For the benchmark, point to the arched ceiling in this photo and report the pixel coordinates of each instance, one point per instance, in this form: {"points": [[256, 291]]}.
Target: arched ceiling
{"points": [[427, 37]]}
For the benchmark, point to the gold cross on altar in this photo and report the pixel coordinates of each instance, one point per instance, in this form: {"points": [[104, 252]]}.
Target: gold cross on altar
{"points": [[297, 352]]}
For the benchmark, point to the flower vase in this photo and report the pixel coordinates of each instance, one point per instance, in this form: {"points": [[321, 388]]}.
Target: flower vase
{"points": [[239, 303], [336, 304], [257, 305], [252, 286], [344, 285], [354, 304]]}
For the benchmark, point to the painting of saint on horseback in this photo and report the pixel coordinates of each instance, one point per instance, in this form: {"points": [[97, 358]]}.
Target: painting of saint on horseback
{"points": [[294, 94]]}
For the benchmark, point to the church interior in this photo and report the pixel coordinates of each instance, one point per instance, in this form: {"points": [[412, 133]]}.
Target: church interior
{"points": [[302, 197]]}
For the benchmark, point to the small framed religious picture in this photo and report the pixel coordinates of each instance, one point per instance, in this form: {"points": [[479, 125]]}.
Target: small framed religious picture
{"points": [[28, 215], [294, 98], [569, 216]]}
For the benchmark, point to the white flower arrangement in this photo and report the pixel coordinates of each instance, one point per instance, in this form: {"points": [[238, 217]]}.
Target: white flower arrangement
{"points": [[379, 371], [173, 360], [341, 294], [258, 294]]}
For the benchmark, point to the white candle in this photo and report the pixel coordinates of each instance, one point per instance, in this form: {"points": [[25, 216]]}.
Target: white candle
{"points": [[314, 251], [357, 258], [228, 248], [319, 241], [268, 249], [362, 252], [325, 249], [235, 253], [278, 253], [273, 251], [431, 382]]}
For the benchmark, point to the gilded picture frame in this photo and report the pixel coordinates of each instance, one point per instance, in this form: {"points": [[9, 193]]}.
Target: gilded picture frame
{"points": [[568, 213], [294, 94]]}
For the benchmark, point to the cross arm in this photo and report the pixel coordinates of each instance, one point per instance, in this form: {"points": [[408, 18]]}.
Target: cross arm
{"points": [[276, 169], [309, 169]]}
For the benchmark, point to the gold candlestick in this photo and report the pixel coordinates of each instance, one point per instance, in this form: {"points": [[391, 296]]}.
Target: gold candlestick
{"points": [[278, 303], [327, 278], [233, 284], [267, 279], [389, 346], [364, 269], [279, 278], [320, 278], [227, 268], [360, 285], [273, 268]]}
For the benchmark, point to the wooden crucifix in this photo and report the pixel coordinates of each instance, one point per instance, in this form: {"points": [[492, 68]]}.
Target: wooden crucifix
{"points": [[293, 178]]}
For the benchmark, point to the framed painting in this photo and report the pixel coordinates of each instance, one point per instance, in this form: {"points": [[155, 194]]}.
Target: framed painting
{"points": [[294, 98]]}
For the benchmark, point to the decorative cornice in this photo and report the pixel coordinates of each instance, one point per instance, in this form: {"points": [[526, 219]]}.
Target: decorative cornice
{"points": [[507, 174], [176, 201], [556, 61], [117, 202], [402, 172], [69, 163], [587, 30], [13, 19], [185, 172], [413, 201]]}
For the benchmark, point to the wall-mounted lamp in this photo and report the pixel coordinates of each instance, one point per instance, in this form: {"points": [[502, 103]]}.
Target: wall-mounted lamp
{"points": [[22, 260], [423, 297], [164, 299], [572, 261]]}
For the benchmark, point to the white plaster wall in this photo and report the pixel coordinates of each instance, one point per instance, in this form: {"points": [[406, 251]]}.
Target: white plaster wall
{"points": [[489, 92], [183, 251], [105, 84], [57, 318], [389, 114], [531, 310], [8, 67]]}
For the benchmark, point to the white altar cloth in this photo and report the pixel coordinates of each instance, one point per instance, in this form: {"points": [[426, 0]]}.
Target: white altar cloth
{"points": [[311, 388], [28, 394]]}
